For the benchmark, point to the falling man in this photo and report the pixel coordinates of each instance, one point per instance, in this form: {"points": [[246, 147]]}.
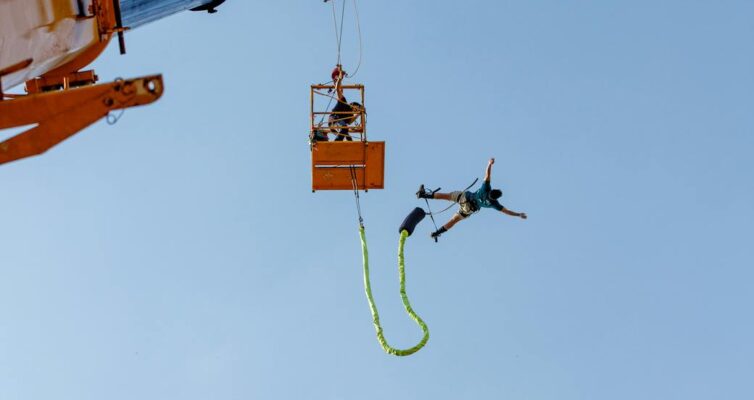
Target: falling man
{"points": [[470, 202]]}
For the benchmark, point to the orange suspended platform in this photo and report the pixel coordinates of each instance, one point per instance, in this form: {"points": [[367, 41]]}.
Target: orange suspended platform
{"points": [[341, 165]]}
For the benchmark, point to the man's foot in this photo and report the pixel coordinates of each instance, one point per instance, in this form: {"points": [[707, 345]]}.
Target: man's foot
{"points": [[421, 194], [424, 194], [436, 234]]}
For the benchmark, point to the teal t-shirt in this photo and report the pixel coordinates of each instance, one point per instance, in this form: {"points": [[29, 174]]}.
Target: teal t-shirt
{"points": [[482, 200]]}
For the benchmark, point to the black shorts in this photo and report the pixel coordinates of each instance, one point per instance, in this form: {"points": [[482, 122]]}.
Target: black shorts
{"points": [[467, 206]]}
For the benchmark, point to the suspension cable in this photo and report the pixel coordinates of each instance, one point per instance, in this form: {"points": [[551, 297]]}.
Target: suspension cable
{"points": [[342, 19], [338, 31], [335, 22], [358, 29]]}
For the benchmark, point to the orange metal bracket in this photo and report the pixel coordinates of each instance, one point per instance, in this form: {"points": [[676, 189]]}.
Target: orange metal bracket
{"points": [[61, 114], [47, 83]]}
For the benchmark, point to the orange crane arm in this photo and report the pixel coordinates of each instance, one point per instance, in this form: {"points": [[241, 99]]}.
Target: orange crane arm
{"points": [[61, 114]]}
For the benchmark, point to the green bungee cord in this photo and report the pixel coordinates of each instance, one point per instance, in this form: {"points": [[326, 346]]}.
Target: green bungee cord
{"points": [[405, 231]]}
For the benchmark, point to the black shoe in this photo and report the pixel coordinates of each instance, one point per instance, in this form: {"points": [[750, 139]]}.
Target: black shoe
{"points": [[421, 194], [424, 194]]}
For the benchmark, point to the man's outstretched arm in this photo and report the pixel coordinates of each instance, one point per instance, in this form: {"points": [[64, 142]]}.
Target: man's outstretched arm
{"points": [[488, 172], [513, 213]]}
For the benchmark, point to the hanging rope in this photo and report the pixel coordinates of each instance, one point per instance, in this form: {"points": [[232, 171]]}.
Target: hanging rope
{"points": [[335, 22], [356, 194], [340, 35], [406, 304], [338, 31], [358, 29]]}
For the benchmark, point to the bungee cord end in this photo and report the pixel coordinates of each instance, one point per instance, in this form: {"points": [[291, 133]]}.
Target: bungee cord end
{"points": [[412, 219]]}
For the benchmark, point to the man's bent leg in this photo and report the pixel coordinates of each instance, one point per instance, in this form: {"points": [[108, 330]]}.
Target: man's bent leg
{"points": [[454, 220]]}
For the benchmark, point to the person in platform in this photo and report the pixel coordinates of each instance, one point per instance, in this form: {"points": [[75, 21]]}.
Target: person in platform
{"points": [[344, 113]]}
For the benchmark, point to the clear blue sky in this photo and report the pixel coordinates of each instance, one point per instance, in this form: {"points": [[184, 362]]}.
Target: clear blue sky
{"points": [[180, 254]]}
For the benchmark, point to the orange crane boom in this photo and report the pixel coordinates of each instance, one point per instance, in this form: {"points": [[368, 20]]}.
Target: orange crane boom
{"points": [[46, 44]]}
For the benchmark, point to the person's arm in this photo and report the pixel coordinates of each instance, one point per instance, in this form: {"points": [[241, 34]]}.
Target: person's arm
{"points": [[339, 89], [339, 82], [488, 172], [513, 213]]}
